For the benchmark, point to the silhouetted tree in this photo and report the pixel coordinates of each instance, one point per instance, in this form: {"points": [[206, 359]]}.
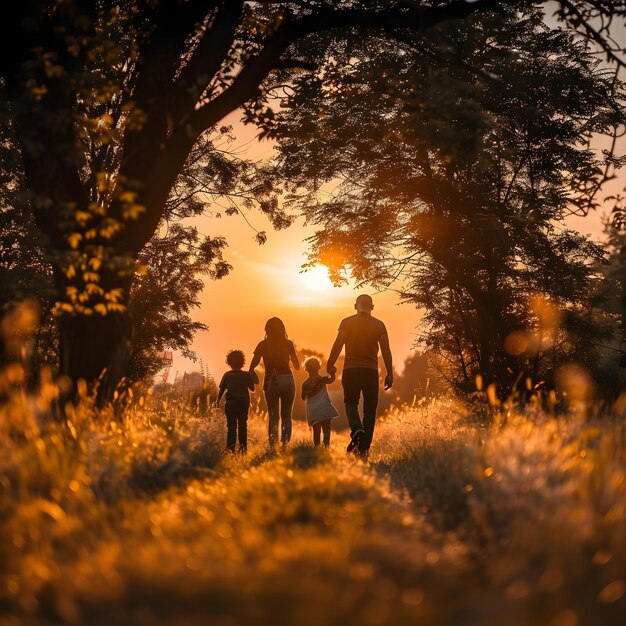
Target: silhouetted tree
{"points": [[456, 195], [106, 100], [614, 296]]}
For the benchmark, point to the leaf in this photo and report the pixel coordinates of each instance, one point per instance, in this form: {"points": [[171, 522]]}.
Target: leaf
{"points": [[612, 592], [82, 217], [115, 307], [133, 211], [74, 240]]}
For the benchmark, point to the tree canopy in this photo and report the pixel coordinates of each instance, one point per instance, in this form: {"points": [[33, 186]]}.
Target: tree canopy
{"points": [[105, 101], [444, 169]]}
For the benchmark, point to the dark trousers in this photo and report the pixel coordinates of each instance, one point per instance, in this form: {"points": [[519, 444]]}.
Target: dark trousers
{"points": [[279, 397], [236, 410], [321, 427], [357, 381]]}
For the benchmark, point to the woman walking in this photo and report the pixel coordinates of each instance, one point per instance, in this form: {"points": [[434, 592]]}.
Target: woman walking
{"points": [[277, 351]]}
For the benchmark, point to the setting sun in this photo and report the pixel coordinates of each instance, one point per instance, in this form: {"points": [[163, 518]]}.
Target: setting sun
{"points": [[316, 278]]}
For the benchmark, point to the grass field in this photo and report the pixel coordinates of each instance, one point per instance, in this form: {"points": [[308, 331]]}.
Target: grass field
{"points": [[144, 520]]}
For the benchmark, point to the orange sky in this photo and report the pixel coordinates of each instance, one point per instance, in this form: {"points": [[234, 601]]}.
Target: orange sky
{"points": [[267, 281]]}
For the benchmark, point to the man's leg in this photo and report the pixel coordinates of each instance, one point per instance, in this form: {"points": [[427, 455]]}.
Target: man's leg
{"points": [[370, 403], [271, 398], [351, 392]]}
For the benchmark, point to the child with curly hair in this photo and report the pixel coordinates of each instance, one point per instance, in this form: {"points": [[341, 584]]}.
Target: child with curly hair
{"points": [[236, 384]]}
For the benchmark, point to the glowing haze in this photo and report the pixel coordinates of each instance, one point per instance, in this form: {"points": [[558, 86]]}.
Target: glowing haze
{"points": [[268, 281]]}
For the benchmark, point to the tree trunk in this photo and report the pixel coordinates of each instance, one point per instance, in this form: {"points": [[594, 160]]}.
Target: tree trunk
{"points": [[96, 348]]}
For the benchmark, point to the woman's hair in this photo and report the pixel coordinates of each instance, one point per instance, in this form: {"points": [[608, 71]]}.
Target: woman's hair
{"points": [[311, 361], [236, 358], [275, 329]]}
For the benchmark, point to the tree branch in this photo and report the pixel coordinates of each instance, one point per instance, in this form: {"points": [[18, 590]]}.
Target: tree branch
{"points": [[247, 82], [207, 58]]}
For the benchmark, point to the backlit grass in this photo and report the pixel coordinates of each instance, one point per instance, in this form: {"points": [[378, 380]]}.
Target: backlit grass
{"points": [[143, 520]]}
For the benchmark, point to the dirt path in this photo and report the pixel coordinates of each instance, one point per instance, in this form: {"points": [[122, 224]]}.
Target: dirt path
{"points": [[304, 537]]}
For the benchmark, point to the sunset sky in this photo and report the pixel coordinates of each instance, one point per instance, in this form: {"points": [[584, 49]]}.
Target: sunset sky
{"points": [[267, 281]]}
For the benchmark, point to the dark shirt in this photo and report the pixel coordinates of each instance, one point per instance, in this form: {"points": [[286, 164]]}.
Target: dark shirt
{"points": [[237, 383], [276, 355], [363, 334]]}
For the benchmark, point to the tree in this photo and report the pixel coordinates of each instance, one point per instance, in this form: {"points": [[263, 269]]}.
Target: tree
{"points": [[614, 294], [167, 284], [167, 287], [106, 101], [455, 196]]}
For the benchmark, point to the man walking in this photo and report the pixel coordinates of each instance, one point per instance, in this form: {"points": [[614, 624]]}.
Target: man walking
{"points": [[362, 334]]}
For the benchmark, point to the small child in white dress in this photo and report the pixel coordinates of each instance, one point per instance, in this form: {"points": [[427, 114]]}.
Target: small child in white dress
{"points": [[319, 409]]}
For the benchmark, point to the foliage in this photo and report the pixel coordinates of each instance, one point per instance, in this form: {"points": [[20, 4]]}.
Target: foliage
{"points": [[455, 195], [163, 297], [612, 297], [106, 101], [167, 283]]}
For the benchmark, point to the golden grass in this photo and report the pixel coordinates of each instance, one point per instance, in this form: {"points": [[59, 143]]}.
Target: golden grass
{"points": [[142, 520]]}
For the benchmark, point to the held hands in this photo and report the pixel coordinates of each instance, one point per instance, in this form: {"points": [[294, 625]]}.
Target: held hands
{"points": [[332, 370], [388, 381], [331, 376]]}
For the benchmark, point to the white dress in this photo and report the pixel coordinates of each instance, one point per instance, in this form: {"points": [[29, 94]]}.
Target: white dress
{"points": [[319, 407]]}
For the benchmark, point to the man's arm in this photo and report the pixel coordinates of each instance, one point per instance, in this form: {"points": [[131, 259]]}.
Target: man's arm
{"points": [[335, 351], [388, 361]]}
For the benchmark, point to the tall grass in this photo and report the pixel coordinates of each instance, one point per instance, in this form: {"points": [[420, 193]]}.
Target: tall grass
{"points": [[141, 518]]}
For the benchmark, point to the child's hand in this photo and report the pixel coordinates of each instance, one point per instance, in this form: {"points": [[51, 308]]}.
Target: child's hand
{"points": [[331, 377]]}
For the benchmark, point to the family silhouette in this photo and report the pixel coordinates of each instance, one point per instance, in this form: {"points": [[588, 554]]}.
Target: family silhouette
{"points": [[362, 335]]}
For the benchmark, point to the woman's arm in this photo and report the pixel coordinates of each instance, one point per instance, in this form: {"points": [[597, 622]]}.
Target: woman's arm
{"points": [[256, 359], [294, 357]]}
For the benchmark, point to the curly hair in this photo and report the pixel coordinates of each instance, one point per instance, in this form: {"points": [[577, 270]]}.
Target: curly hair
{"points": [[236, 359], [309, 361]]}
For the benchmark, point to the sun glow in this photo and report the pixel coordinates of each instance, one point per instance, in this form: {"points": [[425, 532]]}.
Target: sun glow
{"points": [[316, 279]]}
